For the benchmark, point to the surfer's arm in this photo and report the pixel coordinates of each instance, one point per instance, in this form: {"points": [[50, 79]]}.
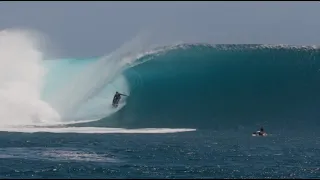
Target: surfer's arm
{"points": [[123, 95]]}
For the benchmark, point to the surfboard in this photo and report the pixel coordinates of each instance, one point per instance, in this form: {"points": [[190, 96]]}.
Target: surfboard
{"points": [[115, 105], [257, 134]]}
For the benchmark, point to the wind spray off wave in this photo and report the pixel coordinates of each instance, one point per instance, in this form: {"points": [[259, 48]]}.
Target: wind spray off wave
{"points": [[86, 91], [38, 95], [35, 91], [21, 80]]}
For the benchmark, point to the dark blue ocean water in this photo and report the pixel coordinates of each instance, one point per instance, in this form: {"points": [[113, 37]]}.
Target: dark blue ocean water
{"points": [[199, 154]]}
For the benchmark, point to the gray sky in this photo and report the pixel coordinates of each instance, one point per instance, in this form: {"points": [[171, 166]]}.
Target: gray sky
{"points": [[84, 29]]}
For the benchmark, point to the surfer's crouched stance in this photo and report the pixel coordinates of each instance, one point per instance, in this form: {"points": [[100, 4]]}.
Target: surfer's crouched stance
{"points": [[117, 98], [259, 133]]}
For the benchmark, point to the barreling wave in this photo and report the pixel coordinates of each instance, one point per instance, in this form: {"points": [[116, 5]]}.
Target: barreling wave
{"points": [[212, 86], [179, 86]]}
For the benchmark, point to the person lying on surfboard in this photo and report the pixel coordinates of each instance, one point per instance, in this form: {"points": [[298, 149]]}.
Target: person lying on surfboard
{"points": [[260, 133], [117, 98]]}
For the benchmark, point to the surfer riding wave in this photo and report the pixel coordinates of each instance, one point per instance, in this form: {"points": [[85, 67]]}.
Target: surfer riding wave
{"points": [[117, 98]]}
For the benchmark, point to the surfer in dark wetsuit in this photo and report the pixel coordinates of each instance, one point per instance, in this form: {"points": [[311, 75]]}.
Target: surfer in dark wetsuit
{"points": [[261, 132], [117, 98]]}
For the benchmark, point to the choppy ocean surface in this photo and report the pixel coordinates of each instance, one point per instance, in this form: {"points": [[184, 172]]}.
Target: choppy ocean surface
{"points": [[197, 154], [190, 112]]}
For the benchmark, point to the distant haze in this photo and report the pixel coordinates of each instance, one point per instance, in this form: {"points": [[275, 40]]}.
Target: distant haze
{"points": [[85, 29]]}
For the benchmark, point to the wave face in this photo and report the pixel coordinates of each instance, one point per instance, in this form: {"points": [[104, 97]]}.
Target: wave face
{"points": [[204, 86], [182, 86]]}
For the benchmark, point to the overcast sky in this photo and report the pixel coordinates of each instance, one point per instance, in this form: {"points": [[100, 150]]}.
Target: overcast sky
{"points": [[82, 29]]}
